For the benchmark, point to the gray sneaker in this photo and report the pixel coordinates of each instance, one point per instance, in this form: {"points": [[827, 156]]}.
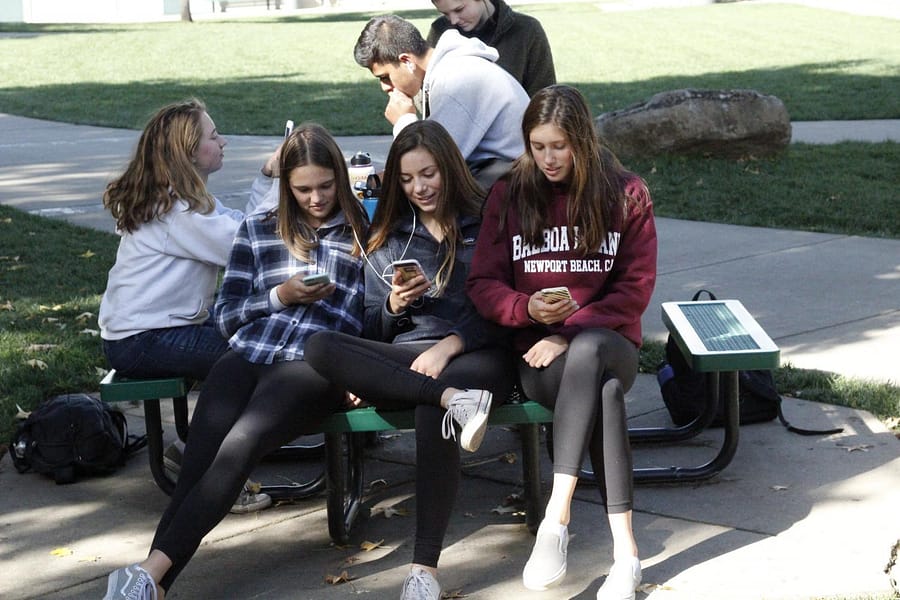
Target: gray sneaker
{"points": [[622, 581], [250, 499], [469, 408], [172, 458], [420, 585], [547, 565], [130, 583]]}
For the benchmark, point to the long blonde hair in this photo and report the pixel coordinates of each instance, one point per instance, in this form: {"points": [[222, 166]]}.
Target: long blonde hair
{"points": [[312, 144], [162, 169], [460, 193]]}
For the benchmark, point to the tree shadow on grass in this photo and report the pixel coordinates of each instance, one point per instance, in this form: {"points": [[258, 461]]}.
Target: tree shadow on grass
{"points": [[259, 105]]}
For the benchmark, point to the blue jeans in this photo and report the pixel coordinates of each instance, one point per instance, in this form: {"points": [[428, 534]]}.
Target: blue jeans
{"points": [[188, 351]]}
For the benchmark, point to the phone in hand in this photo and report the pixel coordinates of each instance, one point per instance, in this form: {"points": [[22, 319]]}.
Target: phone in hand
{"points": [[288, 128], [408, 268], [316, 279], [553, 295]]}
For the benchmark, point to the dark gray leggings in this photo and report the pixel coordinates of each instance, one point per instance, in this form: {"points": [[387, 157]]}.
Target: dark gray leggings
{"points": [[586, 388], [245, 411], [379, 373]]}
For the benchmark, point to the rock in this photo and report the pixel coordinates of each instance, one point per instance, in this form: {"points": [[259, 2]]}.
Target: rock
{"points": [[727, 123]]}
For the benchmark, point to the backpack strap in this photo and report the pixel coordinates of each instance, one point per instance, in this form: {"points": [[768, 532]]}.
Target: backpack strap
{"points": [[131, 442], [800, 430]]}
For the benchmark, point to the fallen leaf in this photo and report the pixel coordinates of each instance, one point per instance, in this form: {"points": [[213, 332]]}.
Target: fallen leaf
{"points": [[87, 254], [350, 560], [338, 579], [857, 448], [390, 511], [91, 332], [84, 317], [778, 488], [89, 559], [505, 510], [509, 458], [6, 220], [454, 594], [50, 320], [38, 364], [369, 546], [40, 347], [7, 306], [61, 551], [54, 308]]}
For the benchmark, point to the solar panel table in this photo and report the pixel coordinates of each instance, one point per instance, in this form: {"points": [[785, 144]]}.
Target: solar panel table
{"points": [[718, 338]]}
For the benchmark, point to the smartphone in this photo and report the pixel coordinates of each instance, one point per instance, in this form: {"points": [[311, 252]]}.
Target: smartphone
{"points": [[288, 128], [555, 294], [408, 268], [316, 279]]}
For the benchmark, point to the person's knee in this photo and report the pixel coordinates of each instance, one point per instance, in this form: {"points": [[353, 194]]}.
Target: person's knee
{"points": [[316, 347]]}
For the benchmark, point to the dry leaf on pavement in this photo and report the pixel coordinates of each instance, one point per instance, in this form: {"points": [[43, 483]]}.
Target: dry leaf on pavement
{"points": [[369, 546], [344, 577], [37, 364]]}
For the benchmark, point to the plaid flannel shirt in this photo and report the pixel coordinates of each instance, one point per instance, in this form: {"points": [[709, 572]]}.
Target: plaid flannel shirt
{"points": [[260, 261]]}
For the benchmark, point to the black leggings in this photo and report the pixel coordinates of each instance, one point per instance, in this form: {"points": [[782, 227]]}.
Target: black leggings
{"points": [[245, 411], [379, 373], [586, 387]]}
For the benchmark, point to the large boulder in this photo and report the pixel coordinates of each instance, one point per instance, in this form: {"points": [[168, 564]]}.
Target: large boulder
{"points": [[728, 123]]}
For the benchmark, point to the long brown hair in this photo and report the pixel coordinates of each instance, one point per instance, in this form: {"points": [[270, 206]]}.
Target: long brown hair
{"points": [[312, 144], [162, 169], [460, 193], [597, 186]]}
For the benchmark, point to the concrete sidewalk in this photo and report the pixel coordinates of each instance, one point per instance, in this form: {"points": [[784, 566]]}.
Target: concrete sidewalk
{"points": [[790, 517]]}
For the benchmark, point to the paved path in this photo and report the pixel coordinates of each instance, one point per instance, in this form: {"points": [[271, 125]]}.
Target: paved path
{"points": [[791, 517]]}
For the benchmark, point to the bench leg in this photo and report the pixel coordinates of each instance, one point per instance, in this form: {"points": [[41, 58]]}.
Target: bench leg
{"points": [[531, 475], [345, 476], [153, 422], [180, 407], [729, 444]]}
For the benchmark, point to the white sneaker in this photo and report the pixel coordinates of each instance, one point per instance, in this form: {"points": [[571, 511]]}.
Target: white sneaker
{"points": [[547, 564], [420, 585], [249, 501], [130, 583], [622, 581], [469, 408]]}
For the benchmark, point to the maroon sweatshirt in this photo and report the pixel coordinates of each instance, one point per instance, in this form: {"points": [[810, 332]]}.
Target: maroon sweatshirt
{"points": [[612, 285]]}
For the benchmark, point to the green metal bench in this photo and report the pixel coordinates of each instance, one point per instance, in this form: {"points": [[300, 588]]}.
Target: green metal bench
{"points": [[718, 338], [150, 391]]}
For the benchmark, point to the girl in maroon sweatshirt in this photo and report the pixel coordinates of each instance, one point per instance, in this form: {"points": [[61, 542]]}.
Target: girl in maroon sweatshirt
{"points": [[569, 215]]}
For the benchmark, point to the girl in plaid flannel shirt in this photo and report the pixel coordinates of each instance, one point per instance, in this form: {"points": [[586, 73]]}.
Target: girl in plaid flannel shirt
{"points": [[261, 393]]}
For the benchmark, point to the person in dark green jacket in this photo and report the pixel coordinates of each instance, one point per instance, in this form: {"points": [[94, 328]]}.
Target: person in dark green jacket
{"points": [[520, 39]]}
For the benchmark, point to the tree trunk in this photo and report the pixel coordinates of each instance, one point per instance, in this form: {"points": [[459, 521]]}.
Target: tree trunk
{"points": [[186, 11]]}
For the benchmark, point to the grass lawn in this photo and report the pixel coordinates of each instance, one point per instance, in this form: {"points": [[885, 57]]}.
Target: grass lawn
{"points": [[256, 73]]}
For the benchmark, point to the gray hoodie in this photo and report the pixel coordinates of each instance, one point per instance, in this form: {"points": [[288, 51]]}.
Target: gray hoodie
{"points": [[478, 102]]}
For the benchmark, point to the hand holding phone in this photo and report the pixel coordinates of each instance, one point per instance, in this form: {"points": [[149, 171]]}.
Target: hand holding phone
{"points": [[408, 268], [316, 279], [552, 295]]}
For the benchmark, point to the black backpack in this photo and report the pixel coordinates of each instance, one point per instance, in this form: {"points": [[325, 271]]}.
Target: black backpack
{"points": [[71, 435], [684, 392]]}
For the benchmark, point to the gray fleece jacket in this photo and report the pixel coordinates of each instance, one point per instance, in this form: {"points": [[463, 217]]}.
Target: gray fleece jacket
{"points": [[479, 103]]}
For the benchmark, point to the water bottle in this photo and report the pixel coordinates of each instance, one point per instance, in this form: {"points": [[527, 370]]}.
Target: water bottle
{"points": [[360, 168]]}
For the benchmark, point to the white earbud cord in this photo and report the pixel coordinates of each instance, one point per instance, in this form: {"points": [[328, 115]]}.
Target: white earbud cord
{"points": [[384, 276]]}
